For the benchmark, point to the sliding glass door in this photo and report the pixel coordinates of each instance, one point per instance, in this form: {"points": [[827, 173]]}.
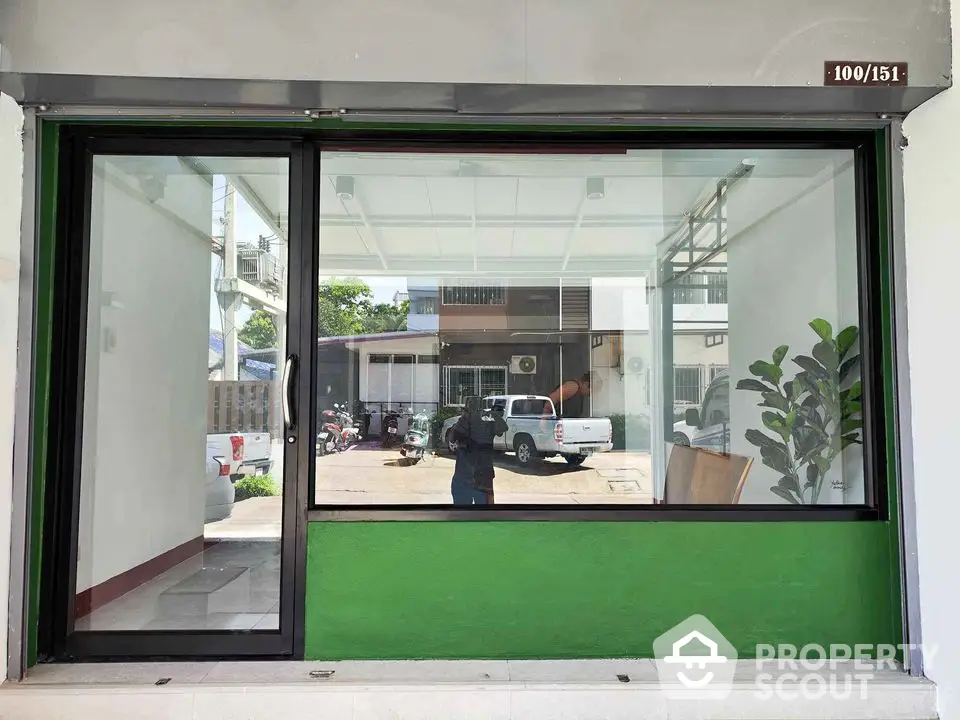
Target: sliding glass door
{"points": [[185, 442]]}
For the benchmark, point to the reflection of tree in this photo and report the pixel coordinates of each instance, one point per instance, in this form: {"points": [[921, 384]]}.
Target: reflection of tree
{"points": [[259, 331], [384, 317], [345, 307]]}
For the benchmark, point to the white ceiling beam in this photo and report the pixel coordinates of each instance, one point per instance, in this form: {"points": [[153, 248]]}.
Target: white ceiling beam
{"points": [[568, 248], [258, 204], [374, 235]]}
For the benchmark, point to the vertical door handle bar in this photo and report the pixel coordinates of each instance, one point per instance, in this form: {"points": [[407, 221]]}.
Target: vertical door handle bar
{"points": [[286, 400]]}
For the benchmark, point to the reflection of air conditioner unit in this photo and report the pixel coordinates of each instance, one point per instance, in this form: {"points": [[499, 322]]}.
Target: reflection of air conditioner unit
{"points": [[635, 365], [523, 365]]}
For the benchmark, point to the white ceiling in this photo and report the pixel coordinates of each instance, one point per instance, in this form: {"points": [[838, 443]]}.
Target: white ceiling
{"points": [[434, 215]]}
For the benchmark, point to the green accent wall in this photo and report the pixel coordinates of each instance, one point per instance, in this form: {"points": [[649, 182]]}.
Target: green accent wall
{"points": [[48, 133], [590, 589]]}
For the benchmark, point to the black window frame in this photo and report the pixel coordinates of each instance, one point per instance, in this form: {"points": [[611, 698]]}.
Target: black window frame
{"points": [[303, 146], [870, 229]]}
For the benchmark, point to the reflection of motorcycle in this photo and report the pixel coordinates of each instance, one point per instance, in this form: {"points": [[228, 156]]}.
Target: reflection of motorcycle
{"points": [[331, 424], [389, 429], [364, 413], [348, 433], [417, 439], [326, 442]]}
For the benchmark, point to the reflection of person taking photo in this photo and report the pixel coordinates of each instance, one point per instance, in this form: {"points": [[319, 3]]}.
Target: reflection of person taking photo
{"points": [[473, 474], [571, 398]]}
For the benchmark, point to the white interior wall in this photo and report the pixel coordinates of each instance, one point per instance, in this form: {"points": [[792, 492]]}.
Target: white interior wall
{"points": [[143, 475], [11, 185], [931, 187], [784, 271]]}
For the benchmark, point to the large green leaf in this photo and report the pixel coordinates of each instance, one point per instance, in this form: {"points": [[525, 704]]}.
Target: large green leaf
{"points": [[822, 328], [813, 475], [856, 391], [768, 371], [775, 421], [776, 401], [846, 339], [785, 494], [850, 425], [780, 353], [813, 368], [848, 366], [788, 388], [852, 407], [804, 383], [755, 437], [753, 385], [807, 439], [789, 482], [848, 440], [776, 458], [826, 354]]}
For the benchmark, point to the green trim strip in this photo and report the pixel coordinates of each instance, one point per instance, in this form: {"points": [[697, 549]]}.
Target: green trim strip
{"points": [[49, 135]]}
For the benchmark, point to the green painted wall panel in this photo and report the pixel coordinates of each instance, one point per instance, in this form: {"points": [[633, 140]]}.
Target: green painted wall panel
{"points": [[554, 589], [46, 242]]}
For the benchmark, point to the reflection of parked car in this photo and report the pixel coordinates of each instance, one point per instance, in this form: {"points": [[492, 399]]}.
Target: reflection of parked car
{"points": [[710, 428], [245, 453], [220, 491], [534, 431]]}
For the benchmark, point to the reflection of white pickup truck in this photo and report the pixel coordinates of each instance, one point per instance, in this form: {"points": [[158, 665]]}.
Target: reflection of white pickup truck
{"points": [[245, 453], [708, 427], [534, 431]]}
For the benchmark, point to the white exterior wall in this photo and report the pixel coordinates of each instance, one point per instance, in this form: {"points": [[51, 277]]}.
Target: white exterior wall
{"points": [[931, 187], [11, 177]]}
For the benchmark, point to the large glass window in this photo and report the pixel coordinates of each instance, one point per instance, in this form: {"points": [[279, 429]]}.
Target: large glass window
{"points": [[641, 327]]}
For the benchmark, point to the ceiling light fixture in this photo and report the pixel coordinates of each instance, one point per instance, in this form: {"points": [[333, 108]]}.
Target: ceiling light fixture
{"points": [[595, 188], [344, 185]]}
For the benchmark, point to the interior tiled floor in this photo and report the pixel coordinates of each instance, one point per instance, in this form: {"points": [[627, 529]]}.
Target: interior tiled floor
{"points": [[231, 585]]}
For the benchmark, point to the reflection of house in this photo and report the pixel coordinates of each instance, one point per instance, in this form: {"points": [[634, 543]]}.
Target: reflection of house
{"points": [[498, 336], [422, 315], [398, 369]]}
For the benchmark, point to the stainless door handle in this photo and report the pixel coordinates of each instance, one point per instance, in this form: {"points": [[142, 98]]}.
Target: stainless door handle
{"points": [[285, 400]]}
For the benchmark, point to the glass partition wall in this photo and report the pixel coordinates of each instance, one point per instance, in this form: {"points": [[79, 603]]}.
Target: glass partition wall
{"points": [[247, 329]]}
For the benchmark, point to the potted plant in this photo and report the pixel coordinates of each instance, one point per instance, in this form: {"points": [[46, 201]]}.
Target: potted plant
{"points": [[812, 418]]}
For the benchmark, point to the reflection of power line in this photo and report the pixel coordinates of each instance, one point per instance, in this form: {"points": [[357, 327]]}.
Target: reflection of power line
{"points": [[221, 199]]}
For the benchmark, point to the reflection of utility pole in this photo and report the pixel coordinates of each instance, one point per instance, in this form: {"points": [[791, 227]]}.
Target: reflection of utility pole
{"points": [[229, 297], [281, 311]]}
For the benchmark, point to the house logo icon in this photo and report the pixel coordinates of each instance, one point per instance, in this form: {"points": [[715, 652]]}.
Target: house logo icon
{"points": [[695, 661]]}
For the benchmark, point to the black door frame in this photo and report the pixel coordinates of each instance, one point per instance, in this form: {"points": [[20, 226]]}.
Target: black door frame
{"points": [[58, 639]]}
